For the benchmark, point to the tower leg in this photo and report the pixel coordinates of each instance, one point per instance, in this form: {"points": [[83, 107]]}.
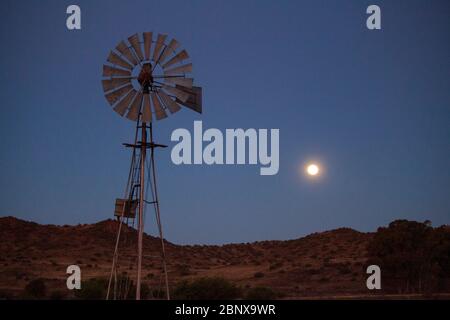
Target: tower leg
{"points": [[141, 210], [158, 216]]}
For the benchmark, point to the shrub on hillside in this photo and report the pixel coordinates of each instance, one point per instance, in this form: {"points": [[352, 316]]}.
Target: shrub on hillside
{"points": [[35, 289], [58, 295], [261, 293], [206, 289], [184, 270], [92, 289], [6, 295], [96, 289]]}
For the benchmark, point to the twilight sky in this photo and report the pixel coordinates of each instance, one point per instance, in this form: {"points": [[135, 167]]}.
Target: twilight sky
{"points": [[373, 107]]}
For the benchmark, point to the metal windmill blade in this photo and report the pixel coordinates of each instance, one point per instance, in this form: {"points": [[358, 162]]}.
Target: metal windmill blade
{"points": [[183, 55], [168, 50], [134, 41], [187, 68], [159, 111], [133, 112], [109, 71], [115, 59], [169, 103], [123, 105], [146, 109], [148, 38], [115, 95], [124, 50], [159, 46], [110, 84]]}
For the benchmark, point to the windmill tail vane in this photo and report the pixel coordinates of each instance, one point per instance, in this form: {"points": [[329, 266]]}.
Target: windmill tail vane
{"points": [[145, 78]]}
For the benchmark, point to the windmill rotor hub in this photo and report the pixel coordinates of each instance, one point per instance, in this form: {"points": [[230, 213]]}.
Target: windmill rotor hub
{"points": [[145, 77]]}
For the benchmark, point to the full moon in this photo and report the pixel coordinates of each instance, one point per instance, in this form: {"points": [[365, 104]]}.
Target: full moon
{"points": [[312, 169]]}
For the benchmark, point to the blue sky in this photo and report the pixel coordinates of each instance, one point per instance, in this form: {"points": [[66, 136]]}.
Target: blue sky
{"points": [[373, 107]]}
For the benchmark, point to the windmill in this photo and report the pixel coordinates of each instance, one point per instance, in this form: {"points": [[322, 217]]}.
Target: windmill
{"points": [[145, 79]]}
